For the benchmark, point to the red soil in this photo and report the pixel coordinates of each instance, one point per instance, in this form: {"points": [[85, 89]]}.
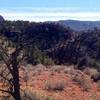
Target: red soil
{"points": [[72, 91]]}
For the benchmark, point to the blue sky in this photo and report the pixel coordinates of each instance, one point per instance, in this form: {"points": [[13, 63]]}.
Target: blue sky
{"points": [[43, 10]]}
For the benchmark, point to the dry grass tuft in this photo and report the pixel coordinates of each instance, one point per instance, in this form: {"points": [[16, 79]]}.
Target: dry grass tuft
{"points": [[58, 85], [84, 81]]}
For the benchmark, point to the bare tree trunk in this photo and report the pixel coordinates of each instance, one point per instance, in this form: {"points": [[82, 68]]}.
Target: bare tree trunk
{"points": [[16, 83]]}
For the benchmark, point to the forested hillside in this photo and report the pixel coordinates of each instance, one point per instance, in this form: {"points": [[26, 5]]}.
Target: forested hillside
{"points": [[51, 42]]}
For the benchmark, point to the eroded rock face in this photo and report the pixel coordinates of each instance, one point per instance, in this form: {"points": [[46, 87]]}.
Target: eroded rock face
{"points": [[1, 18]]}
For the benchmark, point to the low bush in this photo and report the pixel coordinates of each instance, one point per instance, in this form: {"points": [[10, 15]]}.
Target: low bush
{"points": [[57, 68], [29, 95], [84, 81], [90, 71], [55, 85], [96, 77]]}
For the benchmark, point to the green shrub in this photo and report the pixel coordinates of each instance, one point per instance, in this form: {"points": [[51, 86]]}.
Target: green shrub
{"points": [[36, 56]]}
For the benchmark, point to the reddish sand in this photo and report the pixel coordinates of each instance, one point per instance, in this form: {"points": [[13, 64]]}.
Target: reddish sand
{"points": [[72, 91]]}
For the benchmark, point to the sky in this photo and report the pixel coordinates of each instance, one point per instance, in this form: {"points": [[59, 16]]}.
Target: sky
{"points": [[50, 10]]}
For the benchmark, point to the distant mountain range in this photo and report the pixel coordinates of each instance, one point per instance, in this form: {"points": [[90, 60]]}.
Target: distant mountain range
{"points": [[80, 25]]}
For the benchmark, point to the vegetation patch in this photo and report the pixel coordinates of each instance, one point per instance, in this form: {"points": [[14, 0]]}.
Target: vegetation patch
{"points": [[57, 85], [84, 81]]}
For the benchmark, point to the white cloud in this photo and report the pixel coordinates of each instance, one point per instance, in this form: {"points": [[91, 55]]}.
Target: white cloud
{"points": [[48, 14]]}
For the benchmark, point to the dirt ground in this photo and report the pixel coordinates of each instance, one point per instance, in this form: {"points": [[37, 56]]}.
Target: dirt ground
{"points": [[42, 81]]}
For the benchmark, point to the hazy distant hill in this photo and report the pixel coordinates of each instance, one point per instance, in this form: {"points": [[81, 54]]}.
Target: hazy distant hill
{"points": [[80, 25]]}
